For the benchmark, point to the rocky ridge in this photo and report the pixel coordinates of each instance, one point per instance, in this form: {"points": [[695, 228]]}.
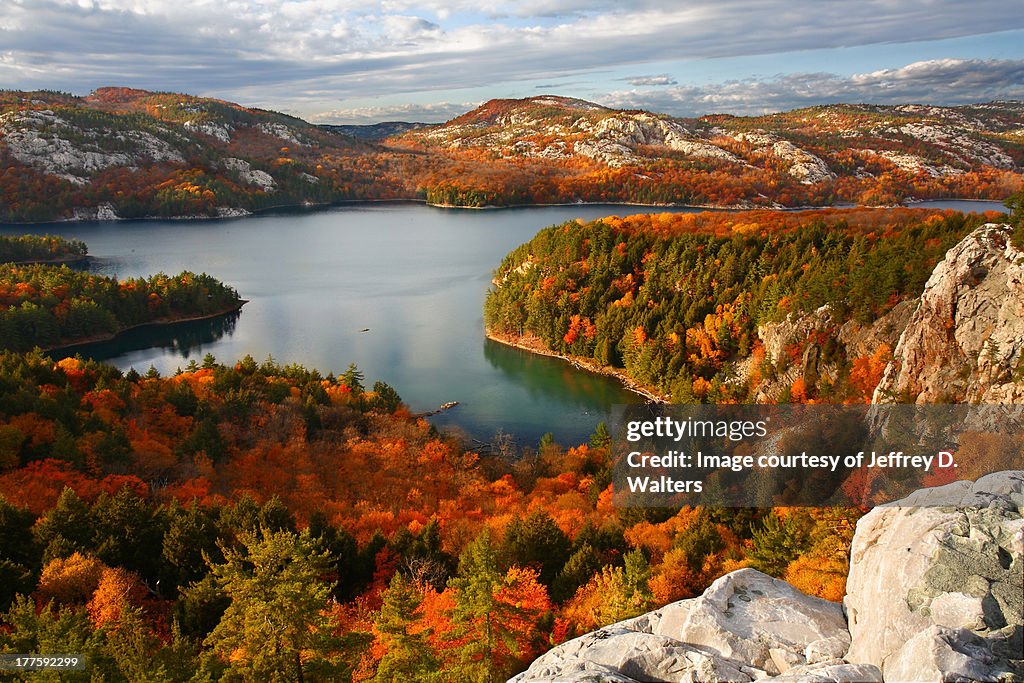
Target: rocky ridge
{"points": [[955, 139], [140, 153], [934, 594], [962, 340], [965, 340], [164, 154]]}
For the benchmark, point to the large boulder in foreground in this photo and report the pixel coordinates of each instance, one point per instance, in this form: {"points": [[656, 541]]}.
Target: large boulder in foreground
{"points": [[965, 341], [937, 593], [746, 626]]}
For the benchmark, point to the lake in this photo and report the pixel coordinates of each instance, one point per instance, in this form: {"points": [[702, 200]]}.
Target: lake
{"points": [[396, 288]]}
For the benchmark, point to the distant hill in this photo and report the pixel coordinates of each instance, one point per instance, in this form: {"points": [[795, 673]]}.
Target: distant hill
{"points": [[376, 131], [127, 153], [120, 152], [855, 153]]}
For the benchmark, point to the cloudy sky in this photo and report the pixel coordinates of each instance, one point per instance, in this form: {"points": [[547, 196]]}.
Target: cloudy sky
{"points": [[348, 61]]}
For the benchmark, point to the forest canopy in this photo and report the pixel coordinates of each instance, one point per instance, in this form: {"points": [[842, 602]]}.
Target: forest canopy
{"points": [[677, 300]]}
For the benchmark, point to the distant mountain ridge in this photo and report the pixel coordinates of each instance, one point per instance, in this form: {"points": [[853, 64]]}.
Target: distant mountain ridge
{"points": [[376, 131], [935, 140], [127, 153]]}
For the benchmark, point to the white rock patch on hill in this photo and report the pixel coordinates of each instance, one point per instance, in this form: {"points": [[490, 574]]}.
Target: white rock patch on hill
{"points": [[805, 167], [45, 141], [245, 172]]}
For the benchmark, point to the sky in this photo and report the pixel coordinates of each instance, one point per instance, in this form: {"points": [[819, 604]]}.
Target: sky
{"points": [[348, 61]]}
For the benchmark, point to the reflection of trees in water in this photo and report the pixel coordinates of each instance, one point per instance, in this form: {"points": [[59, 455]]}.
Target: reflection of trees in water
{"points": [[547, 378], [179, 338]]}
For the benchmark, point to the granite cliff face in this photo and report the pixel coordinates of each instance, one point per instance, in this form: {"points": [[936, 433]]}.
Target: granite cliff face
{"points": [[965, 340], [961, 341], [935, 594]]}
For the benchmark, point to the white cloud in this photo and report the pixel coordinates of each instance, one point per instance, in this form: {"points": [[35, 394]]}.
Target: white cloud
{"points": [[942, 81], [289, 53], [662, 79]]}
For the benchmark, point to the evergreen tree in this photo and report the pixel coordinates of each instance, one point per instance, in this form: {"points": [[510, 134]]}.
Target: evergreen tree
{"points": [[600, 438], [408, 655], [475, 609], [536, 541], [191, 534], [496, 614], [16, 542], [67, 528], [353, 379], [386, 398], [777, 543], [128, 532], [1016, 206], [275, 627], [581, 565]]}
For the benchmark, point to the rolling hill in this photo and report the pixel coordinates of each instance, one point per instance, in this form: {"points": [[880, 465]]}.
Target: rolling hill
{"points": [[129, 153]]}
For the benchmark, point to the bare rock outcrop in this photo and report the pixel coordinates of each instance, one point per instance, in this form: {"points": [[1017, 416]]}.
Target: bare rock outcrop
{"points": [[53, 145], [795, 331], [939, 589], [746, 626], [935, 593], [616, 139], [965, 340], [248, 174]]}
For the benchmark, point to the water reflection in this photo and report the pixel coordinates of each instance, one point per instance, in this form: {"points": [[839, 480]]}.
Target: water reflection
{"points": [[184, 339], [547, 378]]}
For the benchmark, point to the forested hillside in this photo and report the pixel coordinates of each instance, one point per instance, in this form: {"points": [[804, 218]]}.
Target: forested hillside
{"points": [[557, 149], [682, 303], [139, 513]]}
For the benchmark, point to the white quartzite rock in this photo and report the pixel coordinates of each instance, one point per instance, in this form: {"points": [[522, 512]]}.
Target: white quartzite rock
{"points": [[920, 577], [835, 671], [631, 655], [746, 626], [746, 615], [261, 179]]}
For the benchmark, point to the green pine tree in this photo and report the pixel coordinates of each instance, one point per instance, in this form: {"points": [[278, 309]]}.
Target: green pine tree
{"points": [[275, 627], [409, 656]]}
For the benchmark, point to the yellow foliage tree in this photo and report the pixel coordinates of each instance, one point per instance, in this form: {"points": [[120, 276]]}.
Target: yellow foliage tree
{"points": [[70, 580]]}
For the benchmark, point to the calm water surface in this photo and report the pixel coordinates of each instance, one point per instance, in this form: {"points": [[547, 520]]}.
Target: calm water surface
{"points": [[413, 277]]}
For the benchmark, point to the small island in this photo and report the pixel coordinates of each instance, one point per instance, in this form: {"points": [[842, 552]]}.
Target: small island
{"points": [[29, 249], [54, 306]]}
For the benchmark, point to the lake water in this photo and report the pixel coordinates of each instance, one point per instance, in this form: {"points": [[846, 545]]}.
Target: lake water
{"points": [[413, 277]]}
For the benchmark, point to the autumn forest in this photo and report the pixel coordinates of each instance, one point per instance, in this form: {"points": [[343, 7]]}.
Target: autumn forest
{"points": [[245, 520]]}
